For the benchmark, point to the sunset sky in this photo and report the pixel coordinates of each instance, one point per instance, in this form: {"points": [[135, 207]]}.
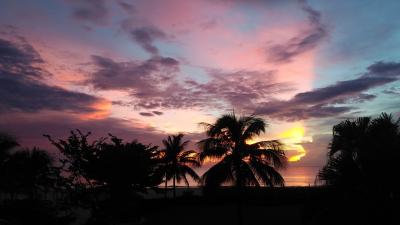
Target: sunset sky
{"points": [[146, 69]]}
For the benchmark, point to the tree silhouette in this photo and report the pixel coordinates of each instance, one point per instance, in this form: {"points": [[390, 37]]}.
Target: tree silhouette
{"points": [[29, 172], [125, 166], [364, 152], [76, 152], [241, 163], [7, 142], [176, 162]]}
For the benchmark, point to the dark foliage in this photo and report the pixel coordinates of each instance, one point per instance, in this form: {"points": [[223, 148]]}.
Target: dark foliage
{"points": [[29, 172], [364, 153], [77, 153], [176, 162], [125, 166], [241, 163]]}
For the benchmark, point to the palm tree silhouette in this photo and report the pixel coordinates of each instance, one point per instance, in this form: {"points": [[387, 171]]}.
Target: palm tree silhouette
{"points": [[125, 166], [176, 162], [29, 172], [348, 138], [7, 142], [241, 163], [363, 150]]}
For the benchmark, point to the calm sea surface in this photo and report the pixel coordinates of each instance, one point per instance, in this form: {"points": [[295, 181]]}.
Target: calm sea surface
{"points": [[300, 175], [293, 175]]}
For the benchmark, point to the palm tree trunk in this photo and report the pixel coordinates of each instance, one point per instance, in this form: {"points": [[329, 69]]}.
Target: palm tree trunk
{"points": [[174, 187], [240, 211], [166, 185], [239, 192]]}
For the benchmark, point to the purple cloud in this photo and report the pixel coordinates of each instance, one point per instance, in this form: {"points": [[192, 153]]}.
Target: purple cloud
{"points": [[93, 11], [29, 128], [304, 42], [129, 8], [158, 113], [148, 114], [143, 78], [321, 102], [19, 58], [145, 37], [153, 84], [21, 87]]}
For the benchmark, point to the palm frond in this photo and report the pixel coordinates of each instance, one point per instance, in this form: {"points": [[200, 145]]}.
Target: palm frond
{"points": [[254, 126], [266, 173], [211, 149], [219, 173], [271, 151], [189, 157], [247, 175], [226, 123], [191, 173]]}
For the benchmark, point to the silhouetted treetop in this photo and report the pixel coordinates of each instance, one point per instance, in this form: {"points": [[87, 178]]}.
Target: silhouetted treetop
{"points": [[364, 152], [241, 162]]}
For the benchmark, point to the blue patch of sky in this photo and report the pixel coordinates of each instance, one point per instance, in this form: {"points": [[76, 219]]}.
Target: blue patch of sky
{"points": [[168, 48], [265, 14], [195, 73], [361, 33], [43, 12]]}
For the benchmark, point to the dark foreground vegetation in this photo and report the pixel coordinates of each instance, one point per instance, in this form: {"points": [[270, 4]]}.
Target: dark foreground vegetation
{"points": [[104, 181]]}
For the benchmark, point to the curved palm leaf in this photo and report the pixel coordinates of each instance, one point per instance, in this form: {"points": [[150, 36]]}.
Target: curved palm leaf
{"points": [[227, 141], [219, 173], [176, 161], [254, 127]]}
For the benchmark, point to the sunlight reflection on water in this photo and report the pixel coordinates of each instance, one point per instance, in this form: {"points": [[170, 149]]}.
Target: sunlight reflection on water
{"points": [[300, 175]]}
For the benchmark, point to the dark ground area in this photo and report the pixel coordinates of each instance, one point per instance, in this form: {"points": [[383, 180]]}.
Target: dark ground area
{"points": [[308, 205], [275, 206]]}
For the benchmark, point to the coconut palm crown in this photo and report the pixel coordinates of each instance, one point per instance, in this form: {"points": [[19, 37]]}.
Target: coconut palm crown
{"points": [[176, 161], [241, 163]]}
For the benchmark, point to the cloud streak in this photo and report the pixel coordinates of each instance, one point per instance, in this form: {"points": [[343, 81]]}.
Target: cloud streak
{"points": [[22, 87], [92, 11], [146, 36], [305, 41], [153, 84], [321, 102]]}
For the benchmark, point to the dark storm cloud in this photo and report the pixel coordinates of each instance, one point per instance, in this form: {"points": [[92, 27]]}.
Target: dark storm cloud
{"points": [[141, 76], [145, 37], [304, 42], [392, 91], [19, 58], [360, 98], [153, 113], [340, 89], [93, 11], [21, 87], [29, 128], [153, 83], [148, 114], [158, 113], [321, 102], [31, 96], [384, 69], [239, 88], [129, 8]]}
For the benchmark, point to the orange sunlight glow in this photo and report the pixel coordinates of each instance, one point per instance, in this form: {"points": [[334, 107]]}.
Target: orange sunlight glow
{"points": [[300, 153], [292, 139], [101, 110]]}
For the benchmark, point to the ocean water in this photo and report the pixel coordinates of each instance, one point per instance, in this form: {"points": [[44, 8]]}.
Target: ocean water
{"points": [[294, 175], [300, 175]]}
